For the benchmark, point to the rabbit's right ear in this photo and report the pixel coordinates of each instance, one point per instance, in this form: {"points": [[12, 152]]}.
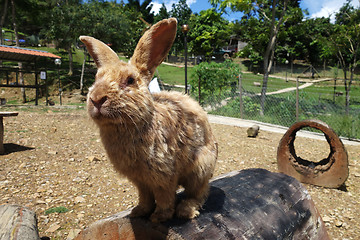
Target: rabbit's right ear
{"points": [[153, 47], [102, 54]]}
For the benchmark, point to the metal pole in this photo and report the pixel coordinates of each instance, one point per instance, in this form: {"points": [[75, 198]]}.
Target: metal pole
{"points": [[37, 87], [185, 46], [297, 99], [59, 84], [240, 97]]}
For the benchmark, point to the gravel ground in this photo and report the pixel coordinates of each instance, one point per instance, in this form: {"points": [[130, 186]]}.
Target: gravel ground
{"points": [[54, 158]]}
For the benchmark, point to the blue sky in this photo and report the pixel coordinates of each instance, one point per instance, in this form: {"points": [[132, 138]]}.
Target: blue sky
{"points": [[316, 8]]}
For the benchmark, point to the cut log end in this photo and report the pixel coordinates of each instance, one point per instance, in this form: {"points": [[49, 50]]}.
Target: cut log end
{"points": [[253, 131]]}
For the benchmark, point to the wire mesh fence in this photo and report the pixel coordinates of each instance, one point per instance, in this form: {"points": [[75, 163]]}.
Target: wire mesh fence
{"points": [[288, 100]]}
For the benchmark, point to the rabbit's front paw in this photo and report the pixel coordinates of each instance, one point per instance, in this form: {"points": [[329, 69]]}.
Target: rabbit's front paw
{"points": [[161, 215], [188, 209], [140, 211]]}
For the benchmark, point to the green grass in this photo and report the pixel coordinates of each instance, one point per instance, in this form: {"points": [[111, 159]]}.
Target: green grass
{"points": [[173, 75], [56, 210]]}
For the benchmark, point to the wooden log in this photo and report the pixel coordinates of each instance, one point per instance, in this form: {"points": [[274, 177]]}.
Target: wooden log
{"points": [[253, 131], [250, 204], [17, 222]]}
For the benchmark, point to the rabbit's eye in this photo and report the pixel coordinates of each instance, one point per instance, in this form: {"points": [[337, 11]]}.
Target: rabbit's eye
{"points": [[130, 81]]}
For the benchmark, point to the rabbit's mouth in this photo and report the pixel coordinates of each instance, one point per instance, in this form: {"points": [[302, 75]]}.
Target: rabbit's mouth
{"points": [[99, 110], [107, 115]]}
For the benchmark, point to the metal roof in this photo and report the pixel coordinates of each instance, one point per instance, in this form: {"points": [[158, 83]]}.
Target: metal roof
{"points": [[18, 54]]}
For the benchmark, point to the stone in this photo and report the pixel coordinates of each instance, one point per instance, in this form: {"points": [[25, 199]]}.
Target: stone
{"points": [[79, 199], [41, 189], [22, 165], [338, 223], [93, 159], [326, 219], [73, 233], [40, 202], [53, 228], [52, 152]]}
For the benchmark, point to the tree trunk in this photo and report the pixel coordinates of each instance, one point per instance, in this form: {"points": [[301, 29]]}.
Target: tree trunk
{"points": [[70, 61], [2, 21], [21, 74], [270, 50], [82, 74]]}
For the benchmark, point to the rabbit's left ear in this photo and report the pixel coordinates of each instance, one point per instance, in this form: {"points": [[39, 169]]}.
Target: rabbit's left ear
{"points": [[153, 46], [102, 54]]}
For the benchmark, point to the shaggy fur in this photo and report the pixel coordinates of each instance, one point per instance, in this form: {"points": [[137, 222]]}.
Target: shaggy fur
{"points": [[157, 141]]}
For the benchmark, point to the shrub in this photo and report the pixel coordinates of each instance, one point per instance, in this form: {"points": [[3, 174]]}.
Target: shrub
{"points": [[212, 82]]}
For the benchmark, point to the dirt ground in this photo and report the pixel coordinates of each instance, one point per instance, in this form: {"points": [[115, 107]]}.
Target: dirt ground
{"points": [[54, 158]]}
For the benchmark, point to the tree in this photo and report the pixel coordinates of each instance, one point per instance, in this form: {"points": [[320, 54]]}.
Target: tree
{"points": [[163, 13], [21, 75], [312, 38], [209, 32], [2, 20], [345, 41], [144, 8], [271, 13], [182, 12], [112, 25], [63, 27]]}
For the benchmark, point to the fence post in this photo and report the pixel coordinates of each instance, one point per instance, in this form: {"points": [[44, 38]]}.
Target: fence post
{"points": [[36, 87], [240, 96], [199, 90], [297, 99]]}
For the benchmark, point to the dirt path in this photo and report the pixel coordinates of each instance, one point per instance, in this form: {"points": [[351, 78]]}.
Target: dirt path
{"points": [[290, 89], [54, 158]]}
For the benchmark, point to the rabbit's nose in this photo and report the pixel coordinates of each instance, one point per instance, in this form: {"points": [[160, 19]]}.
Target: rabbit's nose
{"points": [[98, 103]]}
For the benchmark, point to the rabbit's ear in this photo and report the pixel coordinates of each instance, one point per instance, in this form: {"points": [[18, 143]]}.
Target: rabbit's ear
{"points": [[101, 53], [153, 46]]}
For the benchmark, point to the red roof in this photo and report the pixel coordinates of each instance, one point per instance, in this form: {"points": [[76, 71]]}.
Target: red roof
{"points": [[23, 54]]}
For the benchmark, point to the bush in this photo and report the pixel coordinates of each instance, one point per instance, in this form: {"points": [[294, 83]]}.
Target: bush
{"points": [[212, 82]]}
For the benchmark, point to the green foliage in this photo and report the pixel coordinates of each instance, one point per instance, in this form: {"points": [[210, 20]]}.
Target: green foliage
{"points": [[56, 210], [163, 13], [280, 109], [182, 12], [144, 8], [209, 32], [211, 82]]}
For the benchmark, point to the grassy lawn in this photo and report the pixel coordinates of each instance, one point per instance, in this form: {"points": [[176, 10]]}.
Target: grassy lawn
{"points": [[173, 75]]}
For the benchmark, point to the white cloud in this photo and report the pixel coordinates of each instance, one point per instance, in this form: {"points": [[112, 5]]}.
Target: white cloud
{"points": [[189, 2], [168, 4], [329, 8], [157, 5]]}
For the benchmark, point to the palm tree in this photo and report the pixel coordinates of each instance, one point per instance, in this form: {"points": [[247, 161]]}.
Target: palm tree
{"points": [[144, 8]]}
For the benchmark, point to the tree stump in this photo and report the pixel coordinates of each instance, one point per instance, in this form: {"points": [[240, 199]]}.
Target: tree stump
{"points": [[249, 204], [17, 222]]}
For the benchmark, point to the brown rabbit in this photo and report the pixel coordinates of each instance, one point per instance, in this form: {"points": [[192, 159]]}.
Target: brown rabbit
{"points": [[159, 141]]}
